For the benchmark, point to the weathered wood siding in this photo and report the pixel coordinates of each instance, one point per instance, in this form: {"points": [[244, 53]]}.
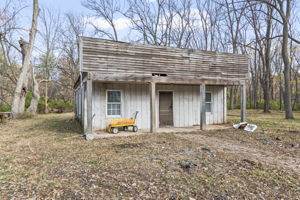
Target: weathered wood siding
{"points": [[135, 97], [80, 104], [137, 60]]}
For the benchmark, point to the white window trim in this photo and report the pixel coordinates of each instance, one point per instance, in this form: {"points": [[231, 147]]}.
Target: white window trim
{"points": [[211, 102], [113, 116]]}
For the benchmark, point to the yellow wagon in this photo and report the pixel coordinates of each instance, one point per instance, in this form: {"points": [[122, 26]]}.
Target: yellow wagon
{"points": [[115, 124]]}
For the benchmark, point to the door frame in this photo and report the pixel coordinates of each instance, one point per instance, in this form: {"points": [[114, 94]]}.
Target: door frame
{"points": [[157, 109]]}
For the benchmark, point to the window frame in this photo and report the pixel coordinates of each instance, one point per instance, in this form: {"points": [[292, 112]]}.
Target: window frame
{"points": [[106, 105], [211, 102]]}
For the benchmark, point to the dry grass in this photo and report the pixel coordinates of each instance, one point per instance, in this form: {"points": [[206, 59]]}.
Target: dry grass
{"points": [[41, 158]]}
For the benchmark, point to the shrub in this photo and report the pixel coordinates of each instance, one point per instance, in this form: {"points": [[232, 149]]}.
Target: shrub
{"points": [[274, 105], [238, 105], [5, 108], [41, 106], [260, 104], [296, 107], [61, 105], [28, 99]]}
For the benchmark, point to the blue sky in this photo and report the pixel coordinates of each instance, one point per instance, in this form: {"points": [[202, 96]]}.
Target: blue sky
{"points": [[64, 5], [73, 6]]}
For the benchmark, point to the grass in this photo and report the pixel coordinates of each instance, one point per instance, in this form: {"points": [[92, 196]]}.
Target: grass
{"points": [[42, 157]]}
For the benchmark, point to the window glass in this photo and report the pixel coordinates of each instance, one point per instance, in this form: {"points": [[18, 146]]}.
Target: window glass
{"points": [[207, 97], [208, 102], [113, 103], [207, 107], [114, 96]]}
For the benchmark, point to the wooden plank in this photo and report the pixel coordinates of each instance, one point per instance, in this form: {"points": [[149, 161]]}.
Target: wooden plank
{"points": [[202, 107], [105, 56], [243, 103], [152, 90], [89, 106], [146, 79]]}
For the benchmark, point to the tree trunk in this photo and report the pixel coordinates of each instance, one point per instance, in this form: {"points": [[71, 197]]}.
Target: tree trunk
{"points": [[287, 68], [267, 74], [280, 94], [46, 96], [35, 95], [18, 105]]}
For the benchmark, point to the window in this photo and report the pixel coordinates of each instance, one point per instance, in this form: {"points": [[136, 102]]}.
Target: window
{"points": [[208, 101], [113, 102]]}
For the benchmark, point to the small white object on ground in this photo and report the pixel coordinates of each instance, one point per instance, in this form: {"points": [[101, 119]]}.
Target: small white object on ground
{"points": [[250, 127], [245, 126]]}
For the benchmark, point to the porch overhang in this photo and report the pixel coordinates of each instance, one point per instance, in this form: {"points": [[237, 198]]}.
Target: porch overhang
{"points": [[166, 80]]}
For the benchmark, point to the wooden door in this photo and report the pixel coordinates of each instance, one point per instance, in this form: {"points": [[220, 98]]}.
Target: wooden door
{"points": [[165, 109]]}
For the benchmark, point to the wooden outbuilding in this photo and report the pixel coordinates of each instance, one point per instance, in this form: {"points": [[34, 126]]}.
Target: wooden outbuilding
{"points": [[168, 86]]}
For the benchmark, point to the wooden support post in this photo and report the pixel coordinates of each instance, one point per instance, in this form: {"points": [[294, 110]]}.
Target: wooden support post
{"points": [[89, 92], [243, 103], [202, 107], [152, 90], [224, 104]]}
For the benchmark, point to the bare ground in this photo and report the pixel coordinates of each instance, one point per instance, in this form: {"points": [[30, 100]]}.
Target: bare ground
{"points": [[45, 157], [245, 151]]}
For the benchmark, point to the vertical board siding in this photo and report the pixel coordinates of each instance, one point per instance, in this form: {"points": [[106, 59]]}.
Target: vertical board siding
{"points": [[216, 116], [136, 97], [133, 98]]}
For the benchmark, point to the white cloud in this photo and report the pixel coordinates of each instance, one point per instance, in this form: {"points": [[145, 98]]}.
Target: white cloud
{"points": [[121, 23]]}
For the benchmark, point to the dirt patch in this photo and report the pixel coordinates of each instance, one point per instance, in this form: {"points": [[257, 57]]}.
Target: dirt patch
{"points": [[244, 151]]}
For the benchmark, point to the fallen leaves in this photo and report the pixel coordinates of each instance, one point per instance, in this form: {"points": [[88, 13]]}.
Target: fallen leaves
{"points": [[37, 161]]}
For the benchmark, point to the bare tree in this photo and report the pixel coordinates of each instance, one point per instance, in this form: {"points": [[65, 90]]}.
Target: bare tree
{"points": [[206, 36], [68, 60], [18, 105], [153, 21], [234, 23], [284, 8], [9, 12], [262, 25], [106, 10], [181, 32], [50, 32]]}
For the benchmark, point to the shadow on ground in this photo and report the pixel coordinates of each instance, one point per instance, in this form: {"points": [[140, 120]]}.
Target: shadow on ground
{"points": [[58, 124]]}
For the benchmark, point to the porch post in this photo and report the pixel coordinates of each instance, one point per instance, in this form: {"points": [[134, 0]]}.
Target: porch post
{"points": [[202, 107], [152, 91], [243, 103], [224, 104], [89, 88]]}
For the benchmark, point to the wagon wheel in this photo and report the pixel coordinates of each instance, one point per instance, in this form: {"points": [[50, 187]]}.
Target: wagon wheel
{"points": [[114, 130], [135, 128]]}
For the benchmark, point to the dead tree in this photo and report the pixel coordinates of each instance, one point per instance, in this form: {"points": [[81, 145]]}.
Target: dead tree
{"points": [[50, 22], [18, 105], [35, 94]]}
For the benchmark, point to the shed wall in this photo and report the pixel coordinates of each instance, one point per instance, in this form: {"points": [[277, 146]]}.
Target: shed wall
{"points": [[135, 97]]}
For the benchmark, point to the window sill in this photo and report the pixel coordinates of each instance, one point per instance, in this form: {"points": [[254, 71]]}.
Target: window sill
{"points": [[113, 116]]}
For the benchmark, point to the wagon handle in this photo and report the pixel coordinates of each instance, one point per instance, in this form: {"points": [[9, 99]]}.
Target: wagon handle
{"points": [[135, 114]]}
